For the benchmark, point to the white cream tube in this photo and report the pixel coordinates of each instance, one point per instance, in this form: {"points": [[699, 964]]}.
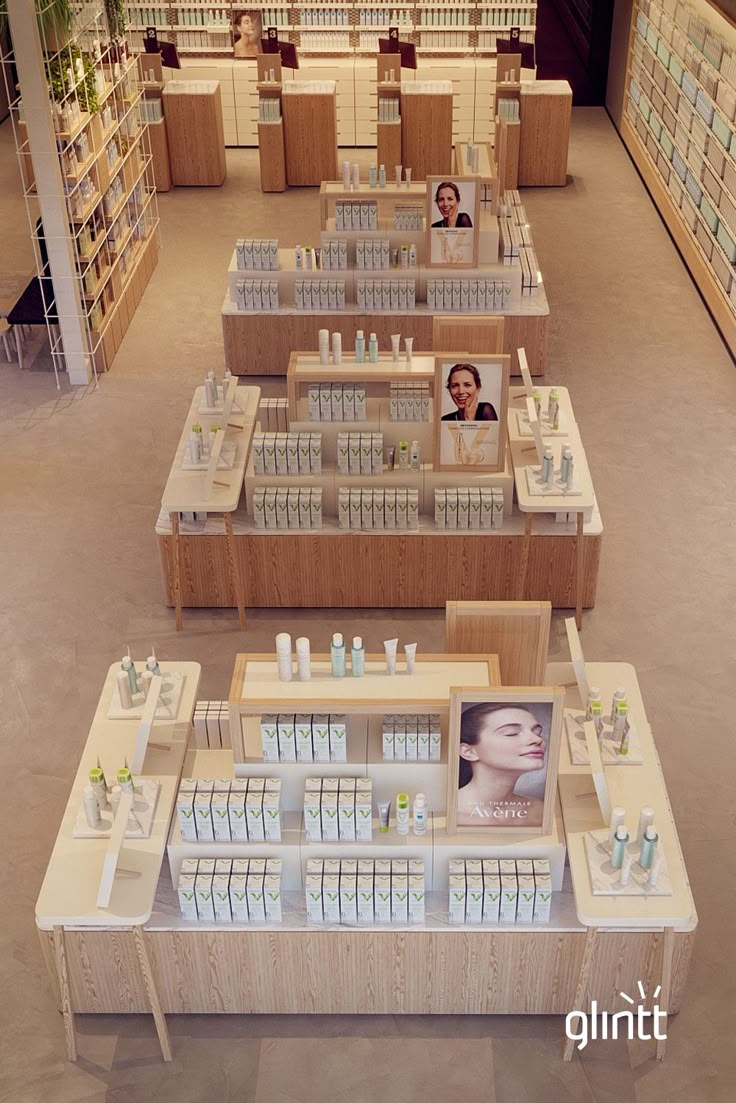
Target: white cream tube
{"points": [[410, 650], [337, 348], [397, 170], [408, 345], [283, 656], [618, 816], [623, 877], [390, 647], [408, 177], [656, 869], [395, 347], [303, 659]]}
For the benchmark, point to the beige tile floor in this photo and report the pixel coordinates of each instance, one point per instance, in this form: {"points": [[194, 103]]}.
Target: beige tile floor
{"points": [[80, 480]]}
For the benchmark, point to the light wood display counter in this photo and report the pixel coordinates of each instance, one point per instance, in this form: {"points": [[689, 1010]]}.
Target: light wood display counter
{"points": [[545, 112], [552, 558], [194, 129], [170, 966], [426, 128], [260, 342], [310, 132]]}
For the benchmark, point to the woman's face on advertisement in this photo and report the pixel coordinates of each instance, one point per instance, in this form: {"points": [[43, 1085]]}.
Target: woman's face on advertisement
{"points": [[462, 388], [447, 202], [510, 739], [245, 25]]}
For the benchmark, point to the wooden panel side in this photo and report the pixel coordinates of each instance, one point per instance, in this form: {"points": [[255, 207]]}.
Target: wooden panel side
{"points": [[517, 631], [544, 140], [479, 334], [426, 134]]}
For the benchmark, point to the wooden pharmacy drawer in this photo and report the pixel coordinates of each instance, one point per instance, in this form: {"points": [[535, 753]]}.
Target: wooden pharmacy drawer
{"points": [[722, 269], [712, 184], [704, 237]]}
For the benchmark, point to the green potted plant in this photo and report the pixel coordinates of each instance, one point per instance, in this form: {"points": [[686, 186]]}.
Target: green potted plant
{"points": [[55, 20], [117, 22]]}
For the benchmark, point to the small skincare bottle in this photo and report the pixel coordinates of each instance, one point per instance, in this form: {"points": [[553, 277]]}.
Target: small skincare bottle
{"points": [[618, 847], [648, 846], [99, 787], [283, 656], [565, 464], [620, 720], [359, 347], [619, 694], [303, 664], [548, 466], [553, 409], [420, 815], [129, 668], [402, 813], [357, 657], [125, 780], [537, 400], [152, 665], [594, 698], [337, 655], [372, 176], [414, 456], [373, 349], [403, 455], [126, 697], [618, 815], [382, 176], [625, 873], [570, 470], [646, 817], [91, 806]]}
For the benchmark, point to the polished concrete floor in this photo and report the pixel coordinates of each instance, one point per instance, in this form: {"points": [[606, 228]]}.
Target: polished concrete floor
{"points": [[80, 484]]}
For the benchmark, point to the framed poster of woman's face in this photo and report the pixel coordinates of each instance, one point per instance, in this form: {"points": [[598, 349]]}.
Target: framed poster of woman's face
{"points": [[470, 402], [453, 221], [503, 758], [247, 33]]}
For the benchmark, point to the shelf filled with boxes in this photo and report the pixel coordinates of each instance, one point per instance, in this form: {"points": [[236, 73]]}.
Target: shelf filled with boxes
{"points": [[680, 107]]}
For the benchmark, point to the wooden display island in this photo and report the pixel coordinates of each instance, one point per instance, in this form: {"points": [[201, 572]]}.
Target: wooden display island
{"points": [[139, 956]]}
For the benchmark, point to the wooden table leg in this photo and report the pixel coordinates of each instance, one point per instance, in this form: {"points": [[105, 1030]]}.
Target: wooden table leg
{"points": [[668, 949], [526, 548], [234, 569], [150, 982], [176, 563], [579, 553], [591, 938], [64, 992]]}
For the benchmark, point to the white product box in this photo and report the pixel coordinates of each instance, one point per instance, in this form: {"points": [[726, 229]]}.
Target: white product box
{"points": [[259, 508], [305, 499], [382, 897], [412, 738], [463, 507], [221, 898], [440, 505], [303, 737], [293, 507], [330, 823], [282, 508], [325, 402], [280, 453], [365, 898], [346, 815], [254, 890], [366, 509], [355, 502], [270, 508], [377, 453], [389, 508], [343, 453], [402, 508], [388, 739], [363, 816], [272, 898], [456, 913], [272, 817], [321, 738], [203, 815], [315, 508], [400, 738], [287, 742], [348, 897], [236, 815], [313, 393], [491, 898], [416, 899], [435, 739], [185, 816], [474, 507], [338, 738], [473, 897], [399, 897], [312, 809], [486, 508], [269, 454], [354, 453], [292, 453], [509, 895], [525, 900], [343, 508], [313, 894], [254, 809], [336, 402], [331, 898], [187, 896], [239, 897], [507, 867], [269, 737], [189, 867], [524, 867], [359, 401], [497, 508], [303, 443], [542, 897], [451, 508], [220, 818], [203, 894]]}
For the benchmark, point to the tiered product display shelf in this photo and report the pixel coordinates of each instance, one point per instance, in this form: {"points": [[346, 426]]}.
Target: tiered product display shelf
{"points": [[547, 548], [140, 956], [679, 126], [255, 346]]}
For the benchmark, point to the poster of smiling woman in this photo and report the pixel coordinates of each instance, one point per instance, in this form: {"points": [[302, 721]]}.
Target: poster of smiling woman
{"points": [[453, 221], [503, 756], [470, 403]]}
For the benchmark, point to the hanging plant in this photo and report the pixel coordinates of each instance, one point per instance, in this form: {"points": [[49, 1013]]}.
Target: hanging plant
{"points": [[55, 19], [117, 17]]}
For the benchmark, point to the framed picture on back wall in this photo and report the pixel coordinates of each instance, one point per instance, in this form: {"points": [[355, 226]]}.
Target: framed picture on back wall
{"points": [[247, 27]]}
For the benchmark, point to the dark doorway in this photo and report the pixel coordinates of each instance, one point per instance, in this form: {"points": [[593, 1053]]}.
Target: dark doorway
{"points": [[573, 42]]}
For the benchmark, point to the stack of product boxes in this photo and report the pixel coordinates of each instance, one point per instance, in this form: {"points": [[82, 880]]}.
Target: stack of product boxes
{"points": [[468, 507], [287, 453], [303, 737], [360, 453], [284, 507], [273, 415], [316, 294], [356, 215], [230, 890], [212, 724], [259, 255], [338, 809], [493, 890], [468, 294], [393, 294], [378, 508], [229, 809], [337, 402], [365, 890], [411, 737], [409, 402], [408, 217]]}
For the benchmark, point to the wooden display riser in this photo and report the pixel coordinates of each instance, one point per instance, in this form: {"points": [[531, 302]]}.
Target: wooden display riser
{"points": [[360, 972], [261, 343], [389, 570]]}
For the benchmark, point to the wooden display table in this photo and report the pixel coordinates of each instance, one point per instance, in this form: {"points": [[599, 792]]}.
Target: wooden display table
{"points": [[426, 128], [310, 132], [591, 948], [194, 129], [159, 154], [546, 111]]}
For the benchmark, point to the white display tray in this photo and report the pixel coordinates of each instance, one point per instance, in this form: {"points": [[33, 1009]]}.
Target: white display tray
{"points": [[144, 808], [168, 702], [225, 462], [545, 490], [604, 879], [525, 430], [609, 747]]}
